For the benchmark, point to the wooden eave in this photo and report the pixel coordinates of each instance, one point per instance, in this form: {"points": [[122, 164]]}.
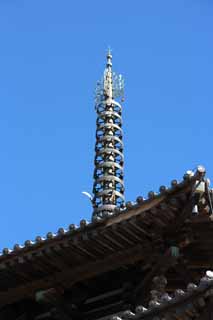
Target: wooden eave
{"points": [[190, 306], [92, 249]]}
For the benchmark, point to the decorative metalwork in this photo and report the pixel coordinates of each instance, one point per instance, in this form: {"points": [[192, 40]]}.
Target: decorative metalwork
{"points": [[108, 188]]}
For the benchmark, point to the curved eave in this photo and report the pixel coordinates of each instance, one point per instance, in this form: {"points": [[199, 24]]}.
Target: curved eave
{"points": [[75, 233], [188, 306], [91, 249]]}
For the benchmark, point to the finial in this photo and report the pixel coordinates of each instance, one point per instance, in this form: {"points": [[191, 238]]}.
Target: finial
{"points": [[109, 58], [108, 187], [109, 52]]}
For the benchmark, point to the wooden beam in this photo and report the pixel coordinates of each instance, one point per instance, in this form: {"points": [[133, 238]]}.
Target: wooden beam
{"points": [[69, 276], [186, 212], [142, 289], [56, 299]]}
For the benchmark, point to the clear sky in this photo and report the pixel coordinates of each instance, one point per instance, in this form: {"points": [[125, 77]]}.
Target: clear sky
{"points": [[52, 53]]}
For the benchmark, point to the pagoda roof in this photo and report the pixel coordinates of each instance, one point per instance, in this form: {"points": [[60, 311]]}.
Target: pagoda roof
{"points": [[79, 253], [132, 209], [193, 303]]}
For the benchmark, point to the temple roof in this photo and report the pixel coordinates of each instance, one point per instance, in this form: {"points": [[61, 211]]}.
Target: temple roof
{"points": [[139, 233], [188, 304], [131, 209]]}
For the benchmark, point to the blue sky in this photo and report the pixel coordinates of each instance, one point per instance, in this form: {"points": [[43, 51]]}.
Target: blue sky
{"points": [[52, 53]]}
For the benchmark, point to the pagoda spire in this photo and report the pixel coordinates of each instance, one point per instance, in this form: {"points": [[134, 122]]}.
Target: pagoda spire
{"points": [[108, 187]]}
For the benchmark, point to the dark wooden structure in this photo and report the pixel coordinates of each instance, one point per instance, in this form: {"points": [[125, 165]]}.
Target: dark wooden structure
{"points": [[147, 261]]}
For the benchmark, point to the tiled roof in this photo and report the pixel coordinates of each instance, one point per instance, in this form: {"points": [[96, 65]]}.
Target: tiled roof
{"points": [[180, 305], [90, 249], [141, 202]]}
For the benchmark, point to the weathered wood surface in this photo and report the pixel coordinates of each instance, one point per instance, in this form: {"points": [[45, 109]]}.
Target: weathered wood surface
{"points": [[137, 235]]}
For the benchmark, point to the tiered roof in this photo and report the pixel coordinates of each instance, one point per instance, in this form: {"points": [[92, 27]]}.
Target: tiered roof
{"points": [[159, 235], [194, 303]]}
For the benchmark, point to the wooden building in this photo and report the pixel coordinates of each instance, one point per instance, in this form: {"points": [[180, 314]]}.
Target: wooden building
{"points": [[148, 259]]}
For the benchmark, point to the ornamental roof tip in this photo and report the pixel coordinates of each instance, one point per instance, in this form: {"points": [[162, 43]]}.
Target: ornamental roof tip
{"points": [[188, 179]]}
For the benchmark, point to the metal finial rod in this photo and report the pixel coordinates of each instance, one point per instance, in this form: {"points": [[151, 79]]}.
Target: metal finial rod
{"points": [[109, 58], [108, 187]]}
